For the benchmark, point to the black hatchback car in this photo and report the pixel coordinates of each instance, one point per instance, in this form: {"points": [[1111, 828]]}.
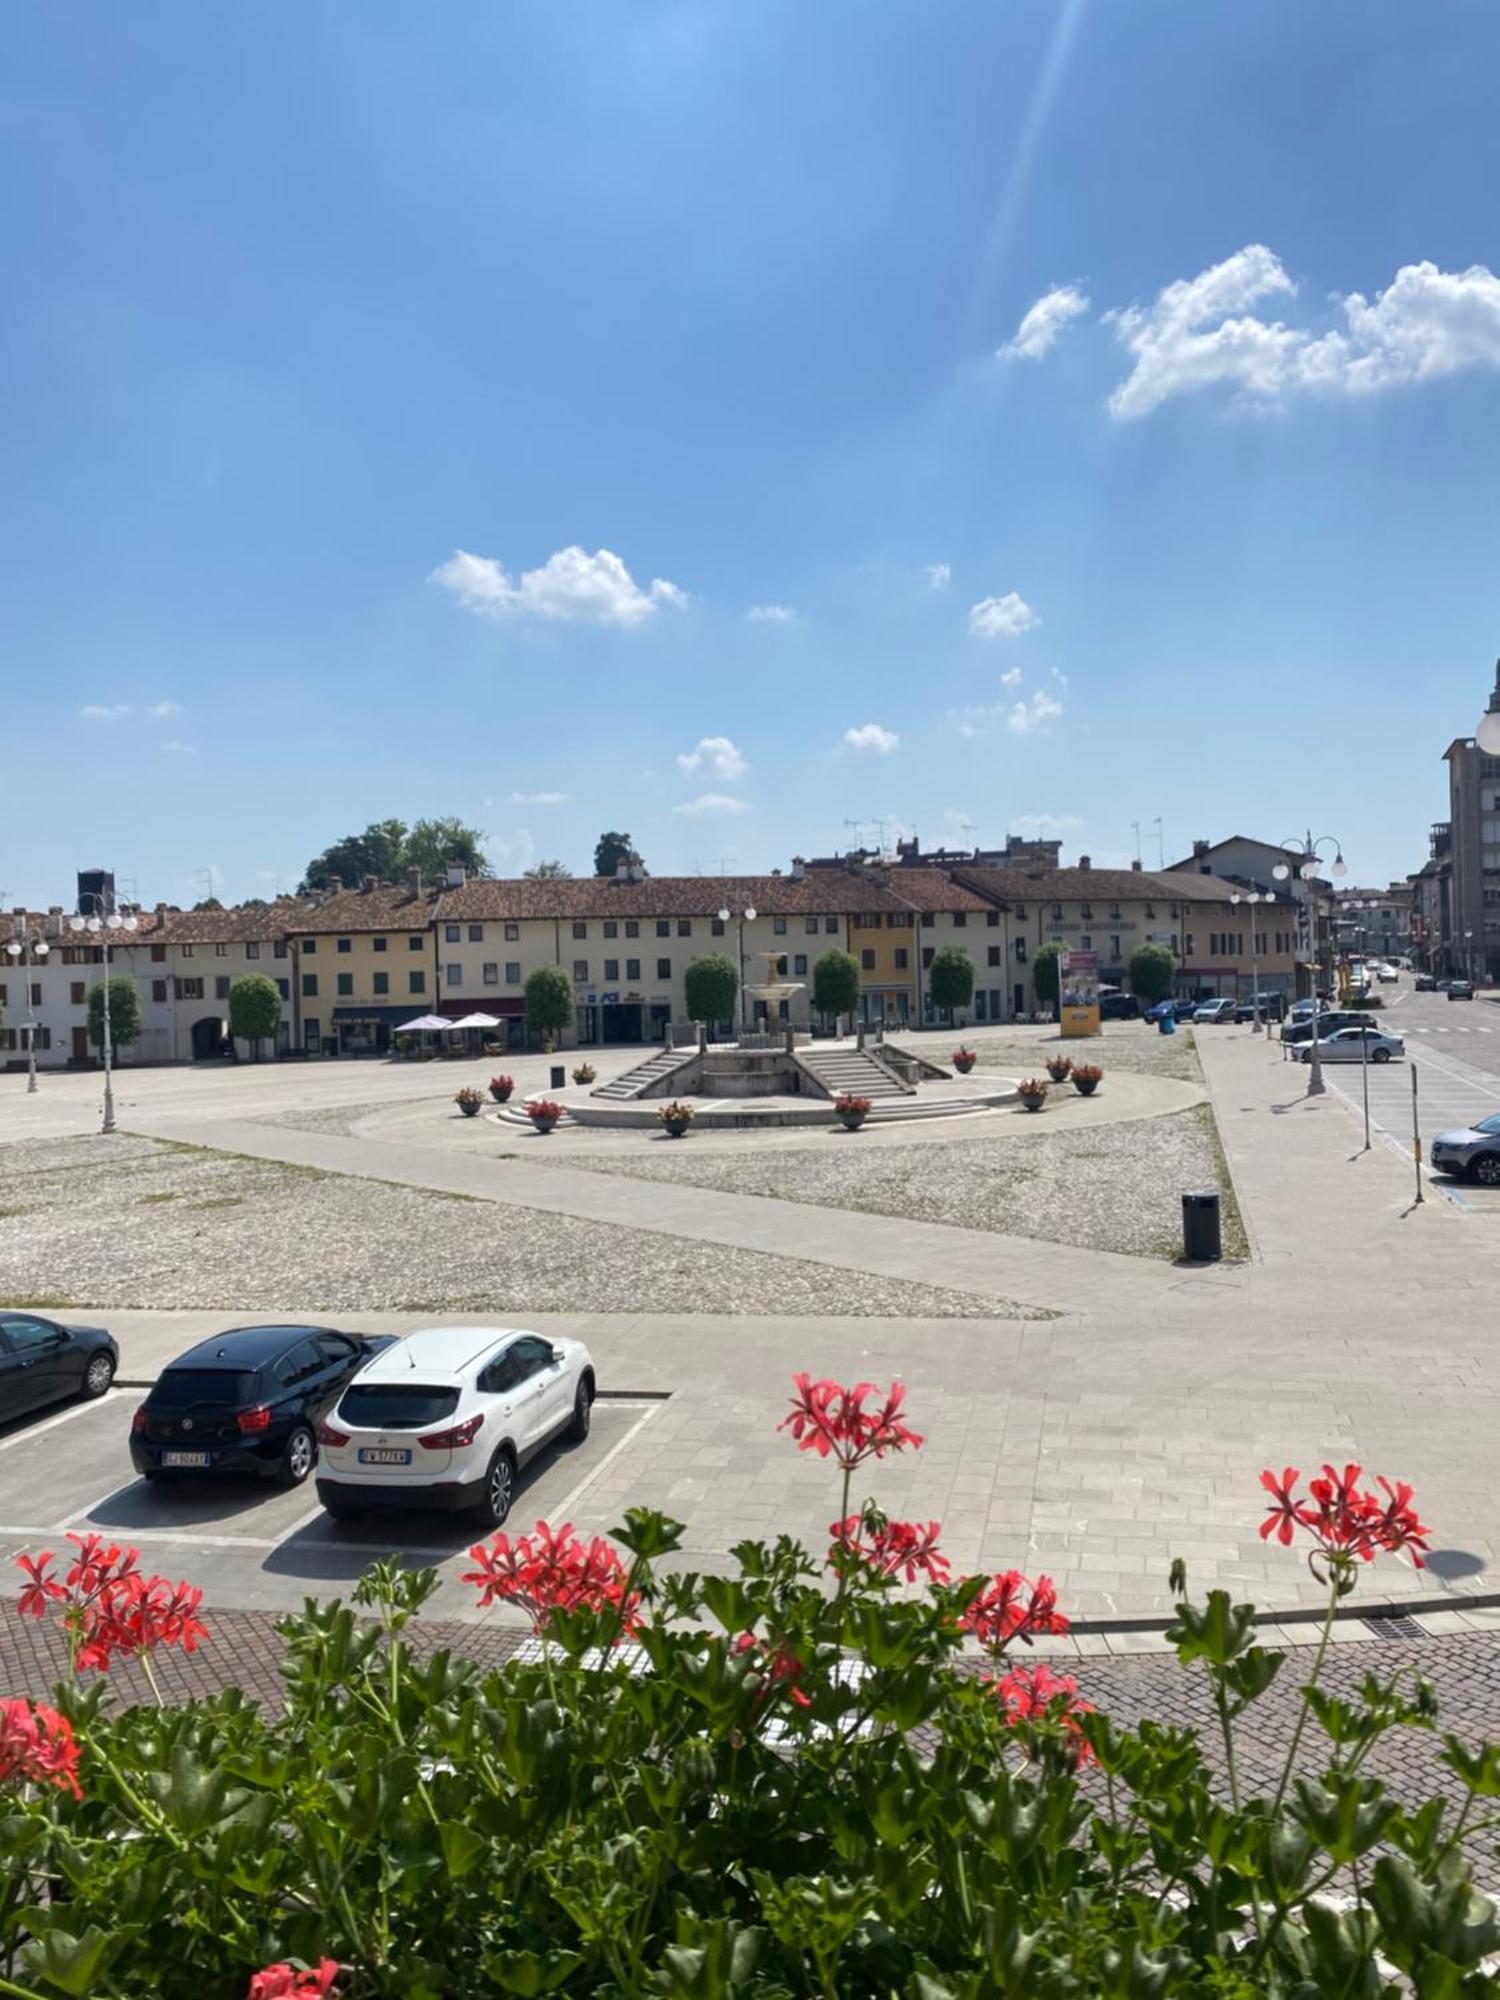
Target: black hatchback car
{"points": [[42, 1361], [247, 1401]]}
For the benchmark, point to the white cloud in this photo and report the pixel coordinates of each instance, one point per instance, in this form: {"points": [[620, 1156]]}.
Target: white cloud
{"points": [[1001, 617], [572, 584], [978, 720], [1038, 713], [771, 614], [1045, 823], [165, 708], [939, 576], [510, 853], [714, 757], [870, 736], [182, 749], [712, 802], [103, 711], [1199, 332], [1011, 677], [1044, 322], [536, 799]]}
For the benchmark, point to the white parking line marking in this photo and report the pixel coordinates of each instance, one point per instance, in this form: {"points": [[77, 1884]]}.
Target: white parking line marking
{"points": [[132, 1535], [566, 1505], [51, 1423]]}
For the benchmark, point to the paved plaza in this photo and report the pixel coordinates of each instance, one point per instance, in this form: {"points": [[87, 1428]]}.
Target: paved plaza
{"points": [[1088, 1414]]}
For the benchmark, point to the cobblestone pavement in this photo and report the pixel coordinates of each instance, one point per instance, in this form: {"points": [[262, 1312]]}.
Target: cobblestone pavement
{"points": [[263, 1236], [1128, 1045], [1114, 1188], [245, 1650]]}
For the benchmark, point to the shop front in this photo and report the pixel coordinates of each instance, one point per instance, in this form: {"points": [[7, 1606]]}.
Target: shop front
{"points": [[364, 1031]]}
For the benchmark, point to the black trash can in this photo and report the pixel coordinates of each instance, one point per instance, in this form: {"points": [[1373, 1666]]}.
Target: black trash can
{"points": [[560, 1074], [1201, 1243]]}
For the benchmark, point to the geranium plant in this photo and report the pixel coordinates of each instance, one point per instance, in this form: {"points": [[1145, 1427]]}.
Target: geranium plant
{"points": [[1032, 1091], [543, 1112], [584, 1073], [1086, 1078], [851, 1109], [845, 1775], [675, 1117], [501, 1088], [1059, 1068], [963, 1059], [469, 1100]]}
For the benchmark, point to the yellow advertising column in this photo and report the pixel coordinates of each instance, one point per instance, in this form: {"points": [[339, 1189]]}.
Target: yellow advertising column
{"points": [[1080, 993]]}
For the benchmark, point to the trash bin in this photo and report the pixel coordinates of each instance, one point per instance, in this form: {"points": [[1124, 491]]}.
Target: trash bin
{"points": [[1200, 1228], [559, 1076], [1166, 1024]]}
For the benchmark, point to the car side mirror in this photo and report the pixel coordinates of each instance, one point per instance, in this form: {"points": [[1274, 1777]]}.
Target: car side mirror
{"points": [[558, 1354]]}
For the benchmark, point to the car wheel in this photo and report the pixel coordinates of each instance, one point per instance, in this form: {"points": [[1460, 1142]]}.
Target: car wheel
{"points": [[1486, 1170], [499, 1490], [299, 1457], [1380, 1055], [583, 1408], [98, 1375]]}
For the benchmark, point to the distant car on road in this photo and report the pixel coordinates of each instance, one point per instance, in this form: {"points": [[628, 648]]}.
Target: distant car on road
{"points": [[1215, 1010], [1460, 989], [1350, 1044], [247, 1401], [447, 1417], [1471, 1149], [1387, 975], [1424, 982], [42, 1361], [1118, 1007]]}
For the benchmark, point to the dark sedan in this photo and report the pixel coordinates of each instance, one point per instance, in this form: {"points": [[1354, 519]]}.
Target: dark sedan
{"points": [[42, 1361], [247, 1401]]}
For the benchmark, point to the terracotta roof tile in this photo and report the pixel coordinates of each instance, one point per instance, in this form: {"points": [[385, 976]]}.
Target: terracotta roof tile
{"points": [[258, 921], [383, 908], [828, 892]]}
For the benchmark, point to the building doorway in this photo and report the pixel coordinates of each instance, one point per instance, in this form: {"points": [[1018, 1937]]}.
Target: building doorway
{"points": [[208, 1039], [620, 1022], [80, 1046]]}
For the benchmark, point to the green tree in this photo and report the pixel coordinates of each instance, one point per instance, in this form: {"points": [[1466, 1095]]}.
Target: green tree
{"points": [[209, 903], [1153, 973], [712, 985], [549, 1003], [254, 1010], [950, 978], [549, 871], [378, 851], [610, 850], [435, 845], [836, 984], [1046, 974], [124, 1012]]}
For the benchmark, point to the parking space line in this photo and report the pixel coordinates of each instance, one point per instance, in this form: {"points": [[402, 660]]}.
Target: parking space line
{"points": [[51, 1423], [569, 1502], [130, 1535]]}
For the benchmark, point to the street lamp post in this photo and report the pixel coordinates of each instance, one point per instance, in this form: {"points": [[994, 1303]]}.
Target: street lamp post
{"points": [[746, 916], [1469, 956], [104, 928], [1252, 897], [18, 949], [1307, 869]]}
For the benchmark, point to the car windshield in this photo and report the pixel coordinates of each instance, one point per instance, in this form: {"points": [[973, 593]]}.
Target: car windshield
{"points": [[178, 1388], [1490, 1124], [395, 1406]]}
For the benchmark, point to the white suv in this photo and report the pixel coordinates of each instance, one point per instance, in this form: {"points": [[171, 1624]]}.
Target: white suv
{"points": [[447, 1417]]}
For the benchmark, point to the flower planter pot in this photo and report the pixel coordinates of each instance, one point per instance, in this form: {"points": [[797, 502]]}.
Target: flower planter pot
{"points": [[963, 1064], [1033, 1100], [852, 1120], [469, 1110], [675, 1130], [1087, 1086], [500, 1096], [543, 1125]]}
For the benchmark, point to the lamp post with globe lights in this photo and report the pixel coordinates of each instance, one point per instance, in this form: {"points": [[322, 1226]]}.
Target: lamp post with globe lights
{"points": [[25, 952], [1252, 897], [1308, 867], [105, 927], [746, 915]]}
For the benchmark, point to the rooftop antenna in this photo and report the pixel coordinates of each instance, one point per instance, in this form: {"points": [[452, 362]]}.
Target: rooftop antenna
{"points": [[857, 828], [1135, 828], [204, 877], [966, 827], [1161, 852]]}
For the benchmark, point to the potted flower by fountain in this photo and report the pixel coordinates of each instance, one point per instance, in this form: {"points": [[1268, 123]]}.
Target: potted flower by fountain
{"points": [[851, 1110], [469, 1100], [1033, 1093], [1059, 1068], [675, 1118], [584, 1073], [963, 1059], [543, 1112], [501, 1088], [1086, 1078]]}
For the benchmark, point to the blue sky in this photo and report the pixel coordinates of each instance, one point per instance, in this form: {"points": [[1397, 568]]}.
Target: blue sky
{"points": [[408, 410]]}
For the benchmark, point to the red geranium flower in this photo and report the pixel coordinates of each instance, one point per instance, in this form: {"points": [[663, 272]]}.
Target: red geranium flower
{"points": [[554, 1571], [779, 1668], [1011, 1607], [1343, 1518], [37, 1743], [1036, 1694], [892, 1548], [831, 1420], [42, 1590], [285, 1982], [109, 1606]]}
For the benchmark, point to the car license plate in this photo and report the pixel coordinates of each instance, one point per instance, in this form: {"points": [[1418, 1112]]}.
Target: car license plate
{"points": [[184, 1458], [381, 1455]]}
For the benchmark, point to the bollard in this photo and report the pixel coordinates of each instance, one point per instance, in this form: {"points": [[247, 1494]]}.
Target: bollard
{"points": [[1201, 1243], [559, 1076]]}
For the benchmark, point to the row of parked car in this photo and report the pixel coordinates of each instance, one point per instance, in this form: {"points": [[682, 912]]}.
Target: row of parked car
{"points": [[1456, 989], [441, 1418]]}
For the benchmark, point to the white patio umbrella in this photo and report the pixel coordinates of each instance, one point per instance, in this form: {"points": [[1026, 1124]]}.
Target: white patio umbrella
{"points": [[424, 1024], [475, 1021]]}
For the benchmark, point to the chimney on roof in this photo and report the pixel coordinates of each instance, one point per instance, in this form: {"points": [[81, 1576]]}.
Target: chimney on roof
{"points": [[335, 885], [799, 868], [366, 884], [457, 874], [622, 871], [1135, 867], [1083, 861], [54, 920], [414, 881], [1200, 848]]}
